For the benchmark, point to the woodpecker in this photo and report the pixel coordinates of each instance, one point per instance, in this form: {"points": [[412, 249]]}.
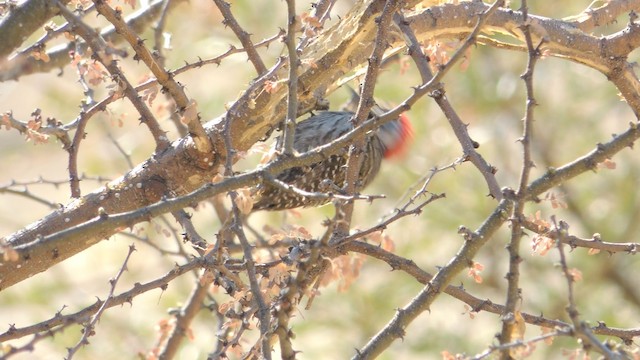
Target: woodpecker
{"points": [[387, 141]]}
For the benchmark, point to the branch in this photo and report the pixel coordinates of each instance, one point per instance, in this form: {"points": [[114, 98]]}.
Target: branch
{"points": [[175, 171], [89, 328], [123, 298], [27, 18], [573, 241], [510, 331], [24, 64], [186, 107], [394, 329], [352, 179], [184, 317], [243, 36], [580, 328], [292, 94], [606, 14], [459, 127], [477, 305]]}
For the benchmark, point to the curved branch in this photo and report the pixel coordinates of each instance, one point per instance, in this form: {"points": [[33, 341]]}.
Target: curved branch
{"points": [[333, 53], [24, 20], [23, 64]]}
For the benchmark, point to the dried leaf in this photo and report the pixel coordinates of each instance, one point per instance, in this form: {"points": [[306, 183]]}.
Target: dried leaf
{"points": [[519, 328], [190, 113], [244, 201], [547, 330], [608, 164], [541, 244], [576, 275], [474, 272], [10, 254], [310, 21]]}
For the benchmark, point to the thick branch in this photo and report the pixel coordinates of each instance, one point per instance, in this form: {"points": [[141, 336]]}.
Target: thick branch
{"points": [[23, 64], [23, 21], [333, 53]]}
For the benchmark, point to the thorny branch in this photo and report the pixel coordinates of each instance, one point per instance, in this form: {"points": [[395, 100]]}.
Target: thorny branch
{"points": [[437, 91], [354, 162], [243, 36], [510, 330], [312, 269], [99, 47], [24, 63], [186, 107], [292, 94], [89, 328], [582, 331], [183, 318]]}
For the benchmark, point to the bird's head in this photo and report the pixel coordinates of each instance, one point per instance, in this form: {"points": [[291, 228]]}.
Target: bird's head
{"points": [[396, 136]]}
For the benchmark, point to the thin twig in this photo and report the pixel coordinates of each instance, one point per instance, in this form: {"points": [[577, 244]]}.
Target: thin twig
{"points": [[186, 107], [514, 295], [383, 225], [292, 94], [89, 328], [474, 241], [317, 195], [243, 36], [519, 344], [184, 317], [582, 331], [437, 91], [262, 308], [344, 211], [122, 298], [573, 241]]}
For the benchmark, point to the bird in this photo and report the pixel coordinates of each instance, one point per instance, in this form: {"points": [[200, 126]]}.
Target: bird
{"points": [[389, 140]]}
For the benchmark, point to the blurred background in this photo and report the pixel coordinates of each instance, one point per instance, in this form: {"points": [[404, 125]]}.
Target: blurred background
{"points": [[578, 108]]}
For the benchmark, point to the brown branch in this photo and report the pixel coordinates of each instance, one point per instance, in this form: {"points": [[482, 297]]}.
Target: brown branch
{"points": [[235, 224], [394, 329], [243, 36], [417, 210], [519, 344], [344, 211], [88, 329], [263, 309], [561, 40], [183, 319], [606, 14], [186, 107], [292, 95], [317, 195], [27, 18], [24, 64], [458, 292], [99, 47], [514, 293], [581, 330], [573, 241], [123, 298], [459, 127], [588, 162]]}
